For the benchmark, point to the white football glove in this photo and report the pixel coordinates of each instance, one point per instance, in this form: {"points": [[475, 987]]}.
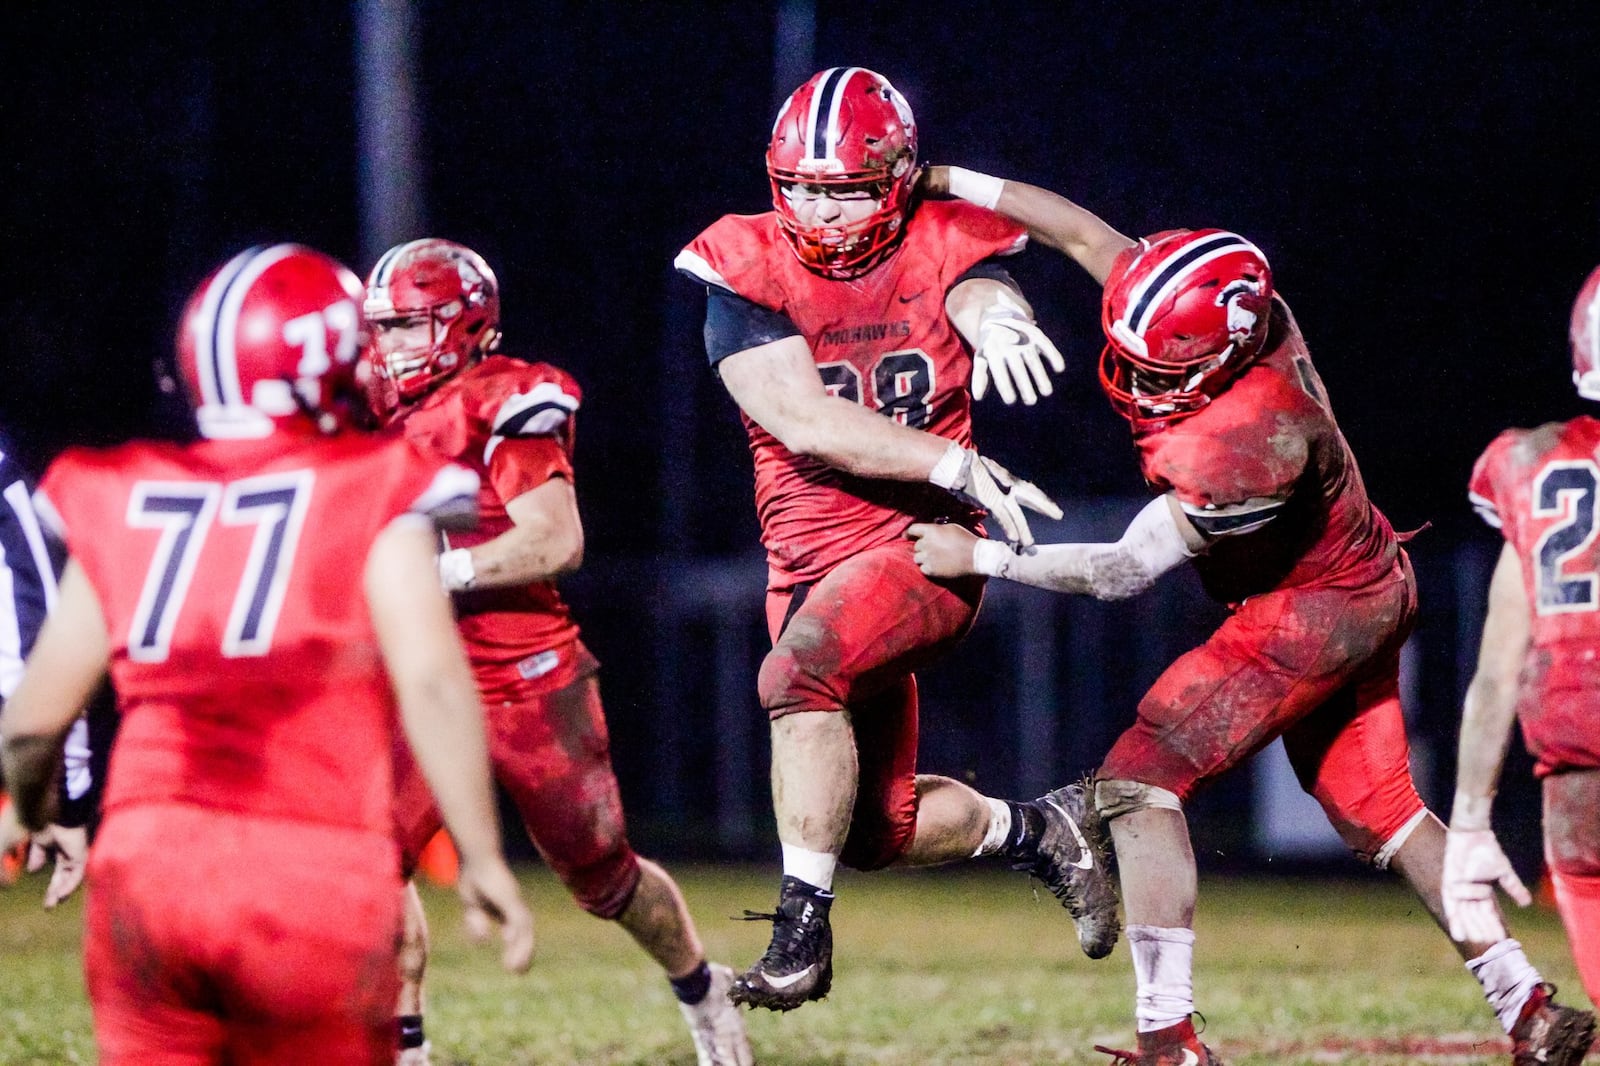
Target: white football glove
{"points": [[1473, 865], [1011, 350], [985, 483]]}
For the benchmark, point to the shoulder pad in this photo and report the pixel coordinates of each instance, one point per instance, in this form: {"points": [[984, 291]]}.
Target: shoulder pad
{"points": [[733, 254]]}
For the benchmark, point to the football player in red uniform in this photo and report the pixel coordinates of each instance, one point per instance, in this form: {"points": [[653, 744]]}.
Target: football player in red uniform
{"points": [[1258, 487], [434, 310], [247, 593], [854, 328], [1540, 662]]}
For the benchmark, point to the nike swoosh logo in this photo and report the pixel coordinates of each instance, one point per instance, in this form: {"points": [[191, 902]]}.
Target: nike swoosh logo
{"points": [[785, 982], [1189, 1058], [913, 296], [1085, 860]]}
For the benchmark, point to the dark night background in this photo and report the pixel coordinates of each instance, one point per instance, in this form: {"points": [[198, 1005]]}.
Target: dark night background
{"points": [[1424, 182]]}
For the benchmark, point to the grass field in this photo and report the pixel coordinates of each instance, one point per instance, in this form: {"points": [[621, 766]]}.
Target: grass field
{"points": [[932, 969]]}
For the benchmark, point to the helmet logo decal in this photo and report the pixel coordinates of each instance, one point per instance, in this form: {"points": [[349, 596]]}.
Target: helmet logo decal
{"points": [[1240, 318]]}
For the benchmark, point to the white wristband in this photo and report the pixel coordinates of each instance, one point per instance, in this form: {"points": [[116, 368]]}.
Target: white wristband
{"points": [[989, 557], [975, 187], [947, 471], [456, 572]]}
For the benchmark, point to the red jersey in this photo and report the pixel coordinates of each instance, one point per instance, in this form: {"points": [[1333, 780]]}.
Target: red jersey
{"points": [[230, 576], [1266, 458], [882, 340], [512, 422], [1541, 489]]}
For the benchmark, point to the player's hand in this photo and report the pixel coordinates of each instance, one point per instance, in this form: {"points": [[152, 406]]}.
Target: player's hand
{"points": [[491, 896], [70, 850], [1473, 865], [942, 550], [934, 182], [987, 484], [1011, 351]]}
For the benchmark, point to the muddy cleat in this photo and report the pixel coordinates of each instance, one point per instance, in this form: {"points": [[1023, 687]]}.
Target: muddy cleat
{"points": [[1549, 1034], [1071, 861], [798, 965], [1176, 1045], [716, 1024]]}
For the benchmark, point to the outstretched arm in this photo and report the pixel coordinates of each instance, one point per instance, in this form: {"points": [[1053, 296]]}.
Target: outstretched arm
{"points": [[1051, 219], [1474, 862], [1158, 539]]}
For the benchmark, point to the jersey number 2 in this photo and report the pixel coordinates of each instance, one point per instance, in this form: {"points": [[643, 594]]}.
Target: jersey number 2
{"points": [[1566, 489], [275, 504], [902, 383]]}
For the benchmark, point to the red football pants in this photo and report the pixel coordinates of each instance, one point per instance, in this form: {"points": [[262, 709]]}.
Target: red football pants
{"points": [[551, 752], [1572, 851], [1319, 667], [216, 937], [852, 641]]}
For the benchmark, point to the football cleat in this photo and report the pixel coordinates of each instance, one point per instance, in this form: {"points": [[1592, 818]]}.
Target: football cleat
{"points": [[1176, 1045], [1550, 1034], [716, 1024], [1071, 861], [798, 965]]}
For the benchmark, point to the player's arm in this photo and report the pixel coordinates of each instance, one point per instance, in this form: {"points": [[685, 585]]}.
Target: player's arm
{"points": [[777, 385], [1051, 219], [544, 542], [1159, 538], [1474, 862], [67, 664], [443, 723]]}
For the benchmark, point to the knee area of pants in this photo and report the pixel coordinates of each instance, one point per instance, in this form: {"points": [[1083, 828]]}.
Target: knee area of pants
{"points": [[605, 888], [788, 682], [1113, 798]]}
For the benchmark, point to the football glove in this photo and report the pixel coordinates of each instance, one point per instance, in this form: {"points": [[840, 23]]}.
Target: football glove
{"points": [[1473, 865], [986, 484], [1011, 351]]}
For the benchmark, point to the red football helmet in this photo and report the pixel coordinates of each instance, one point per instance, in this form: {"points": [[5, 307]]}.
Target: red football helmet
{"points": [[845, 130], [1184, 312], [1586, 339], [271, 341], [433, 307]]}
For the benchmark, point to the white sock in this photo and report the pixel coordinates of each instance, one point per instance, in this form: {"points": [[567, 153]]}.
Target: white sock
{"points": [[812, 867], [1163, 966], [1508, 979], [999, 827]]}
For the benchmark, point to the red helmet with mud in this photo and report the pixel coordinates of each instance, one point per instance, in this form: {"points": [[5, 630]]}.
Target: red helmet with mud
{"points": [[1184, 312], [845, 130], [446, 295]]}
